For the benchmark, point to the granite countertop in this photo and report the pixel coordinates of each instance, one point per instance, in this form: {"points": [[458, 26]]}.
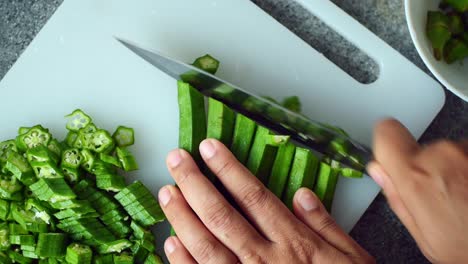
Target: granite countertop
{"points": [[379, 230]]}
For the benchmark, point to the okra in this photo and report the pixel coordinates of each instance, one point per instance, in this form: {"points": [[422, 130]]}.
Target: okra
{"points": [[192, 119], [124, 136], [281, 167], [126, 158], [220, 121], [263, 152], [36, 136], [207, 63], [114, 246], [153, 259], [77, 120], [326, 184], [78, 254], [244, 133], [4, 209], [51, 245], [20, 168], [303, 174], [52, 190]]}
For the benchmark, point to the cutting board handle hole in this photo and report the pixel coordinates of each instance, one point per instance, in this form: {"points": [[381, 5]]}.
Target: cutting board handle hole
{"points": [[327, 41]]}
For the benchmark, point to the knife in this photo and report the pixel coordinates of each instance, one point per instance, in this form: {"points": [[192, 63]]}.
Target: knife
{"points": [[319, 137]]}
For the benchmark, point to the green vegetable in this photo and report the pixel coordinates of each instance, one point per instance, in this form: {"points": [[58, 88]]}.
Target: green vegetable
{"points": [[124, 136], [46, 169], [52, 190], [88, 159], [51, 245], [292, 103], [207, 63], [4, 209], [438, 32], [36, 136], [41, 153], [123, 258], [77, 120], [303, 174], [351, 173], [4, 237], [78, 254], [153, 259], [114, 246], [126, 158], [110, 159], [455, 50], [281, 167], [140, 204], [459, 5], [20, 168], [104, 259], [244, 133], [192, 119], [16, 257], [26, 240], [455, 24], [326, 184], [10, 190], [5, 148], [110, 182], [101, 141], [220, 121], [71, 138], [5, 259], [263, 152], [56, 148], [71, 158]]}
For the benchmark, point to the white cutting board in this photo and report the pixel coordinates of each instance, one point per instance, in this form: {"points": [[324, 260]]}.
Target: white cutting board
{"points": [[74, 62]]}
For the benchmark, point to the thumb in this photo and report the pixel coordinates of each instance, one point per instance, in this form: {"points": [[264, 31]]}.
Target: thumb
{"points": [[309, 209]]}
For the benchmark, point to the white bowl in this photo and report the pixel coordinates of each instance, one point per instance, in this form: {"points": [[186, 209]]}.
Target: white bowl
{"points": [[455, 76]]}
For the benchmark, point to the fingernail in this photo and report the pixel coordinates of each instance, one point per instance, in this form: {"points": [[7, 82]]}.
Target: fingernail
{"points": [[164, 196], [174, 159], [170, 246], [307, 201], [207, 149], [377, 174]]}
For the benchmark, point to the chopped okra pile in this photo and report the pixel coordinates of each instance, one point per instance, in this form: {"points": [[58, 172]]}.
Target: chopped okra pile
{"points": [[67, 201], [276, 160], [447, 30]]}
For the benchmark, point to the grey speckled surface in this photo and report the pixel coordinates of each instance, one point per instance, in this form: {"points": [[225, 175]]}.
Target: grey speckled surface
{"points": [[379, 231]]}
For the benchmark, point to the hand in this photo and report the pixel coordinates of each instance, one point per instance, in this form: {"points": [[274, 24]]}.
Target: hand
{"points": [[210, 230], [427, 187]]}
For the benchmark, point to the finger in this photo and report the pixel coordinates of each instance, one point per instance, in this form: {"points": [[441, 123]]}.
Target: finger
{"points": [[442, 157], [394, 148], [202, 245], [176, 252], [311, 212], [217, 215], [394, 199], [263, 208]]}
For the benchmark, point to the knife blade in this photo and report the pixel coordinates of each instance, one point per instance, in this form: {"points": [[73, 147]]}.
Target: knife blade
{"points": [[317, 136]]}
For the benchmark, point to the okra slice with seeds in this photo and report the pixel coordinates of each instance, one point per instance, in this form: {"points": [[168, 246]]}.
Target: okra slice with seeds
{"points": [[36, 136], [77, 120], [124, 136], [71, 158]]}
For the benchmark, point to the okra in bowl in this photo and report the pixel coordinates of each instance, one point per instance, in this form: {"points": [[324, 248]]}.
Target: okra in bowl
{"points": [[441, 41]]}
